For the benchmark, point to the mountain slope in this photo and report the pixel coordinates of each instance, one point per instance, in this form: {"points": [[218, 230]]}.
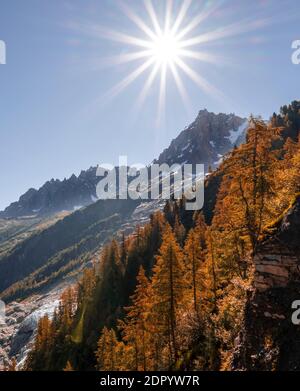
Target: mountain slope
{"points": [[32, 263]]}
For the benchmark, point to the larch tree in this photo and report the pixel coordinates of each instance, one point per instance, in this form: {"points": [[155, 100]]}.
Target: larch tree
{"points": [[38, 358], [134, 328], [179, 231], [169, 287], [107, 351], [243, 206], [194, 257]]}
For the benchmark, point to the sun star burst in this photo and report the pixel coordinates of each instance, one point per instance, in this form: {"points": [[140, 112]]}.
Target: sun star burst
{"points": [[166, 46]]}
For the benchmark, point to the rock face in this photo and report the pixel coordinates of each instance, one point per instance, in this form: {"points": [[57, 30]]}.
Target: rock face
{"points": [[15, 315], [270, 340], [275, 266], [206, 140], [277, 260]]}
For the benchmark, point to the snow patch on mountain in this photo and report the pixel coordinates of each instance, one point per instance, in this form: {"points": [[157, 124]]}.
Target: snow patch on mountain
{"points": [[93, 198], [237, 135], [77, 207], [220, 160]]}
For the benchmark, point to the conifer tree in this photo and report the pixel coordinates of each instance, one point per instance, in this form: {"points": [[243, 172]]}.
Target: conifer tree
{"points": [[134, 328], [194, 257], [179, 231], [243, 205], [107, 351], [86, 285], [169, 286], [38, 358], [123, 250]]}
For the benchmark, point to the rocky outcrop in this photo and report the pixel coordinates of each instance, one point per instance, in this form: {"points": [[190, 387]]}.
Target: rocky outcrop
{"points": [[18, 330], [16, 313], [277, 261], [275, 266], [269, 339]]}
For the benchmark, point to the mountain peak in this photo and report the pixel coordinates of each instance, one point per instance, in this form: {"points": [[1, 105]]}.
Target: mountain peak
{"points": [[206, 139]]}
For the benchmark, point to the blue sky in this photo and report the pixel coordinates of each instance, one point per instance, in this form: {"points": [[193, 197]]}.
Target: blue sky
{"points": [[55, 118]]}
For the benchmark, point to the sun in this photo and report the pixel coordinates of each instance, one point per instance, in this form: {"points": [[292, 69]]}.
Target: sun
{"points": [[168, 44], [166, 49]]}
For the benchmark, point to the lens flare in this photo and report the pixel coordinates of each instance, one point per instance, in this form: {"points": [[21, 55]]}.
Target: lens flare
{"points": [[164, 47]]}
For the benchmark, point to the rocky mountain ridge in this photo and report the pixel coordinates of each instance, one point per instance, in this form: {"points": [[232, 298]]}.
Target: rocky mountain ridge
{"points": [[56, 196], [205, 141]]}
